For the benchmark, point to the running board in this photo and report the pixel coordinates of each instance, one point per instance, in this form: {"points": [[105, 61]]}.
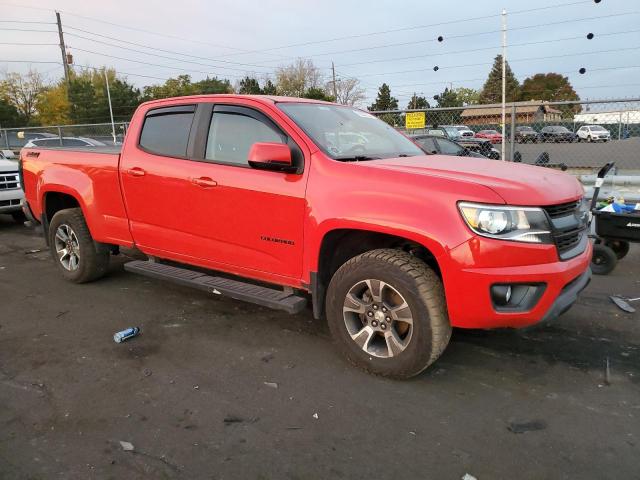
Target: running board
{"points": [[248, 292]]}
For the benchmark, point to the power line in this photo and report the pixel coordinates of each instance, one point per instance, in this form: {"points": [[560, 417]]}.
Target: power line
{"points": [[161, 56], [4, 29], [27, 21], [29, 44], [149, 63]]}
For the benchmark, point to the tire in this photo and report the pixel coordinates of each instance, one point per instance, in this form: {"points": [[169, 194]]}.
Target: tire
{"points": [[619, 247], [604, 260], [589, 139], [407, 288], [91, 258], [18, 217]]}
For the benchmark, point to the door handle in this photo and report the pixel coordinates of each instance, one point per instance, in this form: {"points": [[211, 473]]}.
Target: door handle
{"points": [[205, 182], [136, 172]]}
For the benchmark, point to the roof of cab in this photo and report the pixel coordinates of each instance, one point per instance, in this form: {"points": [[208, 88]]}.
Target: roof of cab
{"points": [[261, 98]]}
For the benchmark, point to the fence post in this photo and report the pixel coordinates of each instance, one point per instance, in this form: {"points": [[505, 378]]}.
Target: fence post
{"points": [[60, 134], [6, 138], [512, 133]]}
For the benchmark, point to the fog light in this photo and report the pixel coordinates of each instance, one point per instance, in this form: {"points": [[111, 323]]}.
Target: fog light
{"points": [[501, 294]]}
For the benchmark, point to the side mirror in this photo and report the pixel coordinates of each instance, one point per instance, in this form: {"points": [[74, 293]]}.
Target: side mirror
{"points": [[271, 156]]}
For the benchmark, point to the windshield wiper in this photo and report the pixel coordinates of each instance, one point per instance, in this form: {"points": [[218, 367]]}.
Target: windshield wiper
{"points": [[357, 158]]}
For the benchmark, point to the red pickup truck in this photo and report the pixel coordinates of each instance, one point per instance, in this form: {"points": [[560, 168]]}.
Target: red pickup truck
{"points": [[281, 200]]}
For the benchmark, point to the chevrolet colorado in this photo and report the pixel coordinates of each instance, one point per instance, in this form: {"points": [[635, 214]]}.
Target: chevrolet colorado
{"points": [[267, 199]]}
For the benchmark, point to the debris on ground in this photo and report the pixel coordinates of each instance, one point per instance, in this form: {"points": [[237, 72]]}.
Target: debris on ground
{"points": [[125, 334], [468, 476], [315, 415], [532, 426], [232, 419], [623, 303], [268, 357], [127, 446], [35, 250], [271, 384], [147, 372], [607, 372]]}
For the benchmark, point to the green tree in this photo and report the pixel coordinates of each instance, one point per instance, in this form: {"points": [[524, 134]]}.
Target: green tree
{"points": [[269, 88], [448, 98], [53, 105], [467, 96], [384, 100], [417, 102], [249, 86], [318, 93], [9, 116], [492, 90], [172, 87], [212, 85], [22, 91], [551, 87]]}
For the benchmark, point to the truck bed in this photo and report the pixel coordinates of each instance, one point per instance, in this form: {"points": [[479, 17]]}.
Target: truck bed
{"points": [[107, 149]]}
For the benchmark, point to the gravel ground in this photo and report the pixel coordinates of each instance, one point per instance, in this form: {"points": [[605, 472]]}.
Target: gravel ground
{"points": [[217, 389]]}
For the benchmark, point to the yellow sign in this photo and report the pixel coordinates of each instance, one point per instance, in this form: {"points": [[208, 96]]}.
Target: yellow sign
{"points": [[415, 120]]}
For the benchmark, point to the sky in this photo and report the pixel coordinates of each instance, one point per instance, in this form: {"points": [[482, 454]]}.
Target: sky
{"points": [[383, 41]]}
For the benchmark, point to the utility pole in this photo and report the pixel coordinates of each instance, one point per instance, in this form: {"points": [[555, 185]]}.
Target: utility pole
{"points": [[504, 80], [113, 125], [415, 100], [335, 86], [63, 50]]}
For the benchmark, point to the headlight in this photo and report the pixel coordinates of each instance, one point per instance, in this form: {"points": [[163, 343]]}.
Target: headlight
{"points": [[520, 224]]}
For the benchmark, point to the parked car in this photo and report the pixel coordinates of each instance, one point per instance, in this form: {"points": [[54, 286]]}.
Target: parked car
{"points": [[593, 133], [11, 193], [557, 133], [393, 245], [436, 144], [464, 131], [479, 145], [492, 135], [526, 134], [66, 142]]}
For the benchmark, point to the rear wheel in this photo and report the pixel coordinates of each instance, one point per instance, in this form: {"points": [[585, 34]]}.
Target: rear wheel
{"points": [[604, 259], [619, 247], [387, 314], [589, 139], [77, 256]]}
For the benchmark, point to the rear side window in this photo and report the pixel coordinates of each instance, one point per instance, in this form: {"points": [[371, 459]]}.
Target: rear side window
{"points": [[427, 144], [166, 130]]}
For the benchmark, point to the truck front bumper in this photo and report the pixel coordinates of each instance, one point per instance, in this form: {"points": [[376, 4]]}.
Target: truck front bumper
{"points": [[10, 200], [469, 288]]}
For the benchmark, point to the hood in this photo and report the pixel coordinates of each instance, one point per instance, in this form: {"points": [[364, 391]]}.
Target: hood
{"points": [[8, 165], [516, 183]]}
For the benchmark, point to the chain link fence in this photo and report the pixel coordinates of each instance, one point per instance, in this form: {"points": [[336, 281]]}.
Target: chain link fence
{"points": [[95, 134], [579, 135]]}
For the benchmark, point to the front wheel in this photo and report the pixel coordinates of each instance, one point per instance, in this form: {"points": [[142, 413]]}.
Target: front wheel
{"points": [[387, 313], [79, 258], [604, 259]]}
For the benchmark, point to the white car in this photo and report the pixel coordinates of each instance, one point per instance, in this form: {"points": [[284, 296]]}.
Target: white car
{"points": [[66, 142], [592, 133], [464, 131], [11, 193]]}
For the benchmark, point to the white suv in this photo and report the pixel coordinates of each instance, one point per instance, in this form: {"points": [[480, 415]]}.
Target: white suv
{"points": [[592, 133], [11, 193]]}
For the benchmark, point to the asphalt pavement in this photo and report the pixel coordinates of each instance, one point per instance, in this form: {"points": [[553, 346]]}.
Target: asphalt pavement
{"points": [[218, 389]]}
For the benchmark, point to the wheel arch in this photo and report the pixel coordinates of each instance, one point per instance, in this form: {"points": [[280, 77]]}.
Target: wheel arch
{"points": [[56, 199], [341, 244]]}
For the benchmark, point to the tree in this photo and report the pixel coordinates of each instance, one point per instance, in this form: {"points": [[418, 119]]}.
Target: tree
{"points": [[417, 102], [296, 79], [269, 88], [210, 86], [172, 87], [348, 90], [384, 100], [249, 86], [550, 87], [53, 105], [492, 90], [318, 94], [22, 92], [467, 96], [447, 99], [9, 116]]}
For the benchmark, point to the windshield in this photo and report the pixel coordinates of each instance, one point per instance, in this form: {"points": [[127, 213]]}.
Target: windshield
{"points": [[560, 129], [345, 133], [597, 128]]}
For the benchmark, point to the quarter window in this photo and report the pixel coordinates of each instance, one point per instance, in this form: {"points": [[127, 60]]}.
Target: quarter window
{"points": [[231, 135], [166, 130]]}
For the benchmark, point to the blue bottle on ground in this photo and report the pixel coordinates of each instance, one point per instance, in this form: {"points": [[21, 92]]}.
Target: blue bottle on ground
{"points": [[120, 337]]}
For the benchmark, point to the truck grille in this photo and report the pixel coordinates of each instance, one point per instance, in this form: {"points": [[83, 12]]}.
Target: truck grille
{"points": [[9, 181], [568, 227], [562, 209], [9, 203]]}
